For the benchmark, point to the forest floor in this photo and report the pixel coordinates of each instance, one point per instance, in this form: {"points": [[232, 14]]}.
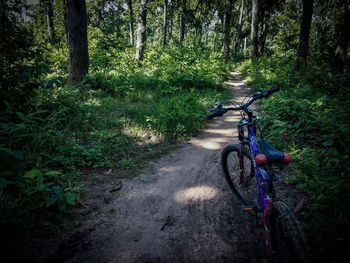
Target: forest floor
{"points": [[178, 210]]}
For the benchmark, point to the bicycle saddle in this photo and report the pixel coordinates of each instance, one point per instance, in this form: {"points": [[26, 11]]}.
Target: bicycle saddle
{"points": [[270, 155]]}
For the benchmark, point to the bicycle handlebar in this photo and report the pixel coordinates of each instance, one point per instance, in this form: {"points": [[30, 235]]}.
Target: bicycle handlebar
{"points": [[219, 111]]}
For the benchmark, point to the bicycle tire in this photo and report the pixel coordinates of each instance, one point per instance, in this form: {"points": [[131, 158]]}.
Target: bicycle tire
{"points": [[247, 191], [288, 240]]}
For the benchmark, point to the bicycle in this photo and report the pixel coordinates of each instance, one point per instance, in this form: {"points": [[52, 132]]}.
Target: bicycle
{"points": [[284, 238]]}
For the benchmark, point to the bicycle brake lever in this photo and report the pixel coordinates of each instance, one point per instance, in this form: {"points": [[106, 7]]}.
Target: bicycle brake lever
{"points": [[216, 108]]}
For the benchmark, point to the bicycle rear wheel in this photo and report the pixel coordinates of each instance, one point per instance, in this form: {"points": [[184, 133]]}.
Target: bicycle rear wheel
{"points": [[237, 165], [288, 240]]}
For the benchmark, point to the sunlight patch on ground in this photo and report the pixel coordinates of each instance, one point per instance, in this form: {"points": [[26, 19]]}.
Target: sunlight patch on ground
{"points": [[211, 145], [235, 84], [197, 193], [169, 169]]}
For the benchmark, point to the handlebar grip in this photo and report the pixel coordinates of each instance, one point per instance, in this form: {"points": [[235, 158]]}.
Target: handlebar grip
{"points": [[216, 114]]}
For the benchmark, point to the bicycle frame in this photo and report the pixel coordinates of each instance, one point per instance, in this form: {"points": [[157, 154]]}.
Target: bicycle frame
{"points": [[263, 180]]}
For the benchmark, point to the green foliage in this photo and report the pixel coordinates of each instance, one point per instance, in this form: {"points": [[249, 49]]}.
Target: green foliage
{"points": [[309, 117], [51, 135]]}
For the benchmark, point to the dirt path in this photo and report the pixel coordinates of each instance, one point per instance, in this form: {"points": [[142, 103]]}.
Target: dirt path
{"points": [[183, 211]]}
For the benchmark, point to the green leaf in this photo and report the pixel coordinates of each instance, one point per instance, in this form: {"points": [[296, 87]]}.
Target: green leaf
{"points": [[21, 116], [33, 173], [19, 154], [51, 201], [58, 190], [39, 112], [40, 186], [70, 198], [328, 143], [53, 173]]}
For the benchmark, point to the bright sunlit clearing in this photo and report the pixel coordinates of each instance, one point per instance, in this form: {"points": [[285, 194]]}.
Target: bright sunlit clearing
{"points": [[197, 193]]}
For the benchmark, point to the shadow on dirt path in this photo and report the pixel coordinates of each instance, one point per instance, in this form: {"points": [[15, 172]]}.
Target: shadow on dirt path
{"points": [[182, 211]]}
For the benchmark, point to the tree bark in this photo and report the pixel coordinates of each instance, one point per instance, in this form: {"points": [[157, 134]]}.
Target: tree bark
{"points": [[141, 31], [254, 30], [227, 30], [170, 31], [303, 46], [49, 21], [65, 20], [344, 37], [131, 23], [262, 39], [239, 28], [165, 22], [183, 22], [77, 40]]}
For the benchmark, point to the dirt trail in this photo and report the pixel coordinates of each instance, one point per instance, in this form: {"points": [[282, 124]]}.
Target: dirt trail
{"points": [[183, 211]]}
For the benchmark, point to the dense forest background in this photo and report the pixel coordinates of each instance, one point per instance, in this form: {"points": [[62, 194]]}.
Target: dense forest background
{"points": [[93, 84]]}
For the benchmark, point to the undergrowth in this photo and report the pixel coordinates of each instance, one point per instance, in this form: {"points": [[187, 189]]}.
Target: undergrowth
{"points": [[47, 138], [309, 118]]}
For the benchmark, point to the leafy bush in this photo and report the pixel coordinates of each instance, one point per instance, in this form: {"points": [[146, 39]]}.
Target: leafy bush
{"points": [[47, 139], [309, 117]]}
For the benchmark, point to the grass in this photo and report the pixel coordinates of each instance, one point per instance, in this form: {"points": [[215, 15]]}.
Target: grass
{"points": [[48, 141]]}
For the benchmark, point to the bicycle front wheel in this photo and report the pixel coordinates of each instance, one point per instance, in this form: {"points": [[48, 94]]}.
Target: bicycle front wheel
{"points": [[237, 165], [288, 240]]}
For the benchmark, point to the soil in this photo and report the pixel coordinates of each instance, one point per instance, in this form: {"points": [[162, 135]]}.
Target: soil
{"points": [[179, 210]]}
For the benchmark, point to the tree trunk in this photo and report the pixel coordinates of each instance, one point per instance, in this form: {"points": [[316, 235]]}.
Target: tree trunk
{"points": [[77, 40], [303, 46], [239, 28], [170, 31], [49, 20], [141, 31], [215, 37], [254, 30], [262, 40], [131, 23], [227, 30], [245, 44], [182, 26], [65, 20], [344, 37], [165, 22]]}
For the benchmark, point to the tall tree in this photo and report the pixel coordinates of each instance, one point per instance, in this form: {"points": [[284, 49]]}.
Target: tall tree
{"points": [[343, 42], [254, 29], [227, 30], [65, 20], [77, 40], [265, 11], [239, 28], [141, 30], [165, 21], [170, 26], [49, 21], [303, 45], [131, 23], [183, 22]]}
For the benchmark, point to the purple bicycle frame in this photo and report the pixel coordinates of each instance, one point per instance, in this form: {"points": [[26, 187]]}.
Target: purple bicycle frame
{"points": [[262, 179]]}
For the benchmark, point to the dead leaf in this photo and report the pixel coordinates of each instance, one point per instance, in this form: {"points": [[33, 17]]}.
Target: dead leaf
{"points": [[113, 211], [299, 206], [108, 172], [117, 187], [107, 199]]}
